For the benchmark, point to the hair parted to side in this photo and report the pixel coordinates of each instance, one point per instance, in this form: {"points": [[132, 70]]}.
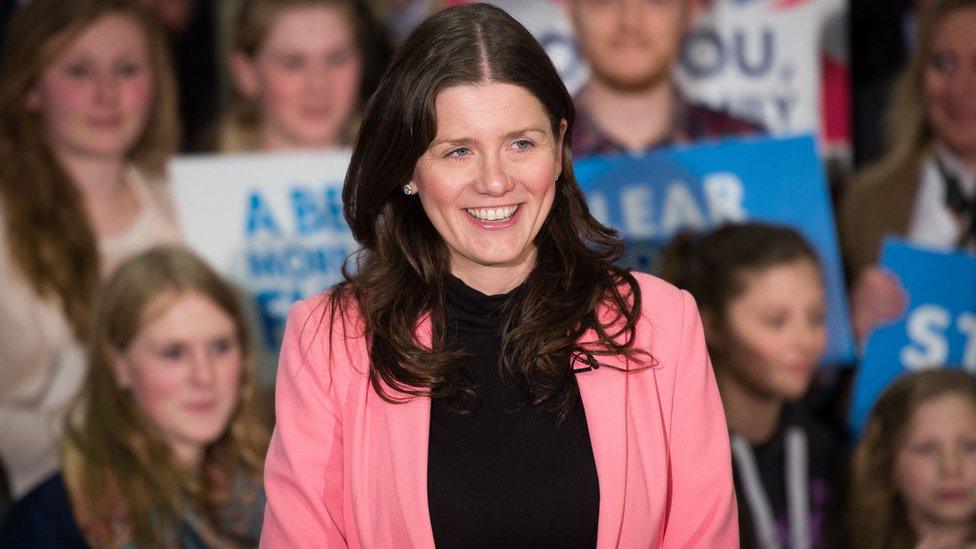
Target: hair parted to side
{"points": [[48, 231], [112, 452], [877, 516], [402, 262], [908, 134], [251, 27]]}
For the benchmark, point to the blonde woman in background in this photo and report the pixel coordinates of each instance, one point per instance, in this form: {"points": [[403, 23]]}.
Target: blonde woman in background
{"points": [[924, 189], [913, 477], [301, 70], [166, 447], [87, 121]]}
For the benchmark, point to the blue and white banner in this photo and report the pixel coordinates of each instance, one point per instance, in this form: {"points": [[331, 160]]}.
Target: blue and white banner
{"points": [[778, 181], [271, 223], [938, 329]]}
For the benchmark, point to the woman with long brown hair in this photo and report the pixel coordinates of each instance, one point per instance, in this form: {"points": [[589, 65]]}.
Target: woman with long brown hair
{"points": [[913, 476], [166, 445], [302, 70], [484, 374], [924, 189], [87, 121]]}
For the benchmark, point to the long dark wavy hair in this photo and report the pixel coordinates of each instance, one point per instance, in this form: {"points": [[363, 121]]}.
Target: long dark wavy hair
{"points": [[396, 278]]}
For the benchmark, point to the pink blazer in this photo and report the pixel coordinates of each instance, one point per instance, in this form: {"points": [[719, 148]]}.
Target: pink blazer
{"points": [[347, 469]]}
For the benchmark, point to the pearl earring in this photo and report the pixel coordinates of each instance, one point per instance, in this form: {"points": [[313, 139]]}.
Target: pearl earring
{"points": [[409, 189]]}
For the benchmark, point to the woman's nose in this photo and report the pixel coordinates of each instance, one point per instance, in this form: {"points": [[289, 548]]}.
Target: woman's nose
{"points": [[494, 179]]}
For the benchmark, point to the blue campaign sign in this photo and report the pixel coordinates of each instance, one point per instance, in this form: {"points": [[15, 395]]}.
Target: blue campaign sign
{"points": [[777, 181], [938, 329]]}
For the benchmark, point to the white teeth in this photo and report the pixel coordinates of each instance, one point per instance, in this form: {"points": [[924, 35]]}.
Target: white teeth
{"points": [[492, 214]]}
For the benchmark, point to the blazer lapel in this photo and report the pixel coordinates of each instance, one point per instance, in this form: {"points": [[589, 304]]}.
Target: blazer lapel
{"points": [[604, 394], [409, 431]]}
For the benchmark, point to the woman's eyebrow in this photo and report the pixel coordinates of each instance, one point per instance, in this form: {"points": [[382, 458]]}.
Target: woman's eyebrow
{"points": [[467, 141]]}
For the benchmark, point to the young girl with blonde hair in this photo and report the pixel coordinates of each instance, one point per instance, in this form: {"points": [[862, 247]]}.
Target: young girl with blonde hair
{"points": [[166, 446]]}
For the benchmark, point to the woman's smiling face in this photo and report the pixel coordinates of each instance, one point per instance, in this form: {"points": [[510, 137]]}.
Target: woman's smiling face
{"points": [[488, 180]]}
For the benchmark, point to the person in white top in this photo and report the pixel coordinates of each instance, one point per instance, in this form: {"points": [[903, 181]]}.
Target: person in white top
{"points": [[87, 121], [925, 188]]}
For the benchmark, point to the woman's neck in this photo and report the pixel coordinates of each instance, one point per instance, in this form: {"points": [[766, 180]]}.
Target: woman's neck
{"points": [[271, 141], [109, 201], [494, 279], [751, 415], [190, 455], [635, 119], [96, 178]]}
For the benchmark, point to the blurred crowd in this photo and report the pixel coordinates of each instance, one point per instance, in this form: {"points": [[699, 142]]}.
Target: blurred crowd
{"points": [[131, 411]]}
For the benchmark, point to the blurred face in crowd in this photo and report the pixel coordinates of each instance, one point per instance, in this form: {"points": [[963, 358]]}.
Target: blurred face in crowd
{"points": [[487, 181], [183, 370], [950, 84], [935, 468], [305, 78], [94, 98], [631, 44], [775, 331]]}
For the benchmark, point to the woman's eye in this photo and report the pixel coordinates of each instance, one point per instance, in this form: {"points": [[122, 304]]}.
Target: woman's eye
{"points": [[173, 352], [523, 145], [339, 59], [128, 69], [777, 321], [818, 318], [923, 449], [943, 62], [291, 62], [459, 153], [222, 345], [78, 70]]}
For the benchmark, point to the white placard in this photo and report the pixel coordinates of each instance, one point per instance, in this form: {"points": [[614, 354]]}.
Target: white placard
{"points": [[271, 223]]}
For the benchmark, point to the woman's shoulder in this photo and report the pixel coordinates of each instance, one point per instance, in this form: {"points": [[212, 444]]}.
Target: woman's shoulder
{"points": [[882, 180], [337, 309], [659, 297], [670, 327], [43, 518], [324, 323]]}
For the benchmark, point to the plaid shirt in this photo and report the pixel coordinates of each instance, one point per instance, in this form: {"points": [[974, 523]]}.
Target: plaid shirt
{"points": [[691, 122]]}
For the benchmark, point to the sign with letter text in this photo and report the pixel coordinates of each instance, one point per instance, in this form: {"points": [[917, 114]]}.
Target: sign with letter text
{"points": [[938, 329], [271, 223], [778, 181]]}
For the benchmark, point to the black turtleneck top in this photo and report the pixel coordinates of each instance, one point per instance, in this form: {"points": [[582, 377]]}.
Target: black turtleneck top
{"points": [[506, 473]]}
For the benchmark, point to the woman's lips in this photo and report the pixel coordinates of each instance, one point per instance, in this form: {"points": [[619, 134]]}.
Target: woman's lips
{"points": [[205, 406], [105, 122], [316, 113], [489, 218], [952, 494]]}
